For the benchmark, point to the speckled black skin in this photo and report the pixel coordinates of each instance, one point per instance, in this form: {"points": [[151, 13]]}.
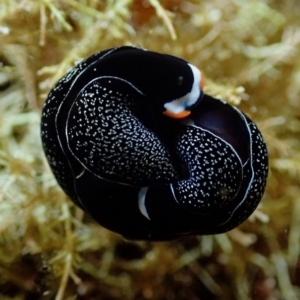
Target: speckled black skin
{"points": [[143, 174]]}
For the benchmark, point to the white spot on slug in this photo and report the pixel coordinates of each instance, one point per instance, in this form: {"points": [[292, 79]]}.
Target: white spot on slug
{"points": [[142, 196], [81, 173], [178, 105]]}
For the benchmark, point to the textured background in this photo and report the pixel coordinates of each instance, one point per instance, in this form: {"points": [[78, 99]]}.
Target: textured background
{"points": [[249, 54]]}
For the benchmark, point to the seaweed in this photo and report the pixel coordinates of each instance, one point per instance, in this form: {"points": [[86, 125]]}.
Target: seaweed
{"points": [[249, 54]]}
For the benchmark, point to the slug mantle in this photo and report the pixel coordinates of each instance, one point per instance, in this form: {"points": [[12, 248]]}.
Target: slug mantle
{"points": [[132, 139]]}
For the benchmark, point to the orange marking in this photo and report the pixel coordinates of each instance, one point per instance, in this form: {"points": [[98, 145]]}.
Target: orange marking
{"points": [[180, 115], [201, 81]]}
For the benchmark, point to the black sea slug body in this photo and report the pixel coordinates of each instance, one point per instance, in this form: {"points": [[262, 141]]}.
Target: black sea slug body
{"points": [[132, 139]]}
